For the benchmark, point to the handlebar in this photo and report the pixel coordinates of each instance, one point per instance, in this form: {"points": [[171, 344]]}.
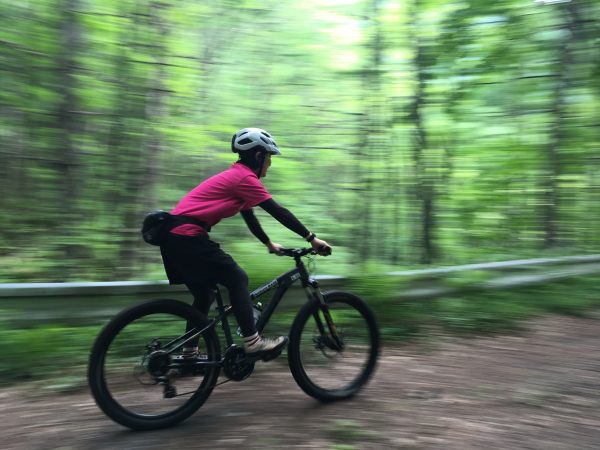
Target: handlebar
{"points": [[297, 252]]}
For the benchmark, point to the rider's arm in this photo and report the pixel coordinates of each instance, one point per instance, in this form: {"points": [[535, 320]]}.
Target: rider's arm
{"points": [[254, 226], [285, 217]]}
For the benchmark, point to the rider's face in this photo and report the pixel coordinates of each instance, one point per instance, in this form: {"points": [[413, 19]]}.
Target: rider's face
{"points": [[266, 165]]}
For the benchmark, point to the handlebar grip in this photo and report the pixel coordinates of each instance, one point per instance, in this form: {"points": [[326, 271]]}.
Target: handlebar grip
{"points": [[325, 249]]}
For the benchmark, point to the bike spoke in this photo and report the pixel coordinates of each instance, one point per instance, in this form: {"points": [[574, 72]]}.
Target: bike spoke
{"points": [[138, 370], [328, 366]]}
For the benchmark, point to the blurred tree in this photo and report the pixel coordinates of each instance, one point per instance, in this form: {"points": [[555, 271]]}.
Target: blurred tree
{"points": [[141, 184], [68, 126], [429, 131], [567, 66], [370, 147], [424, 185]]}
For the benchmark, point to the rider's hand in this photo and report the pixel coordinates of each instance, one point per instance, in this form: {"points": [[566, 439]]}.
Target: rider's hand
{"points": [[274, 248], [321, 247]]}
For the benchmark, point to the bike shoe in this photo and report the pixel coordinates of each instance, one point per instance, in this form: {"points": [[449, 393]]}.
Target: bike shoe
{"points": [[266, 348]]}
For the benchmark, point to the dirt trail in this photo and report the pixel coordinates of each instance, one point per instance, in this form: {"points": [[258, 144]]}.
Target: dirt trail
{"points": [[536, 390]]}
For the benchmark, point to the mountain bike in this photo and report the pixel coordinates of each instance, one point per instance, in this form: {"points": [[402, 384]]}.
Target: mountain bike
{"points": [[139, 380]]}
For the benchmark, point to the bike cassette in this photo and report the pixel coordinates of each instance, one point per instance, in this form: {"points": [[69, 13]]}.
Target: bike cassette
{"points": [[157, 363], [235, 365]]}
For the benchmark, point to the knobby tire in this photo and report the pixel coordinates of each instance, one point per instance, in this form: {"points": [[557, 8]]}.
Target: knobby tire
{"points": [[355, 319], [96, 370]]}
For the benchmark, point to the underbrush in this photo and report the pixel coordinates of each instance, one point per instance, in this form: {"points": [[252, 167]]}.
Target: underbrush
{"points": [[475, 312], [59, 352]]}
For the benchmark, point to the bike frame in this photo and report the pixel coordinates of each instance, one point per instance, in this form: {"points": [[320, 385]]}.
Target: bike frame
{"points": [[282, 283]]}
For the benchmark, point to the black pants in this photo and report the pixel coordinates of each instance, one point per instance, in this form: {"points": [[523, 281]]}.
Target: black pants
{"points": [[200, 263]]}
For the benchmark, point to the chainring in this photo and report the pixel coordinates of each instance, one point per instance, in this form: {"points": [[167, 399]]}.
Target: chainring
{"points": [[235, 365]]}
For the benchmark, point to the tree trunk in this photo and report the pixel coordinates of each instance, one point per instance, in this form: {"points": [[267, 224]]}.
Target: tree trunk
{"points": [[67, 126], [424, 185], [369, 231], [141, 184], [553, 166]]}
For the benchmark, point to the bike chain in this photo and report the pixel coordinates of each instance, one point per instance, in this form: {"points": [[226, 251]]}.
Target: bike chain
{"points": [[191, 392], [227, 380]]}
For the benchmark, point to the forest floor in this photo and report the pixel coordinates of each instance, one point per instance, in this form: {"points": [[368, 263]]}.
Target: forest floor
{"points": [[538, 388]]}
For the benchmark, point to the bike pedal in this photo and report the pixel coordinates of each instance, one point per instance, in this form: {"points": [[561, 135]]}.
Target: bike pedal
{"points": [[252, 358], [277, 352], [271, 356], [266, 355]]}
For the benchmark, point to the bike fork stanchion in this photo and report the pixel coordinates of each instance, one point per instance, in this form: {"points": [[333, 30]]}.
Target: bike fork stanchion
{"points": [[312, 289]]}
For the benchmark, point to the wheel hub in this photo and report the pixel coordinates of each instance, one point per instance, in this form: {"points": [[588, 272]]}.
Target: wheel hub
{"points": [[158, 363], [325, 342]]}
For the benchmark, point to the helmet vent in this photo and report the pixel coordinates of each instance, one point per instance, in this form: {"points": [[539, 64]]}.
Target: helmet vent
{"points": [[253, 139]]}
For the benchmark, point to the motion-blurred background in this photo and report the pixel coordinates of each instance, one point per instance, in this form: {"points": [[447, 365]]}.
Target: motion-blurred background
{"points": [[416, 135], [413, 133]]}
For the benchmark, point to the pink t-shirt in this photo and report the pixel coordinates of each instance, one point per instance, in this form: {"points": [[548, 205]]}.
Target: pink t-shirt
{"points": [[222, 195]]}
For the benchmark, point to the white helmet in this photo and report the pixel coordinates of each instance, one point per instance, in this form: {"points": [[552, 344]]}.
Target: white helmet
{"points": [[253, 139]]}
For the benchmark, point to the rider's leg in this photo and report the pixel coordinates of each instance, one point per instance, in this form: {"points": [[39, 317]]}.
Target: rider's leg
{"points": [[203, 297], [200, 260], [236, 282]]}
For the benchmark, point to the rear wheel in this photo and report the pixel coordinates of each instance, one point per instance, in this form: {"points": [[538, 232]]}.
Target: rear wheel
{"points": [[135, 375], [323, 367]]}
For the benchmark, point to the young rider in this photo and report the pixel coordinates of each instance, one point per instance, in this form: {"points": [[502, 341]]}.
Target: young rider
{"points": [[192, 258]]}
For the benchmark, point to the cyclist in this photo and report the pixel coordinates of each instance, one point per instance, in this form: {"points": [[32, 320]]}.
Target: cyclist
{"points": [[192, 258]]}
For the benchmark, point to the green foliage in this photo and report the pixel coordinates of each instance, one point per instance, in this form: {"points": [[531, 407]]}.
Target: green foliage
{"points": [[59, 352], [348, 430], [467, 279], [398, 320], [438, 132], [473, 310], [44, 351], [414, 132], [483, 313]]}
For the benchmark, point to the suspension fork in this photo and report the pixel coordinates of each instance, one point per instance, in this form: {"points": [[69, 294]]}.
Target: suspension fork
{"points": [[313, 291]]}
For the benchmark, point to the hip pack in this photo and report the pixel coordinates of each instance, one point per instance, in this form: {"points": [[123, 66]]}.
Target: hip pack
{"points": [[157, 225]]}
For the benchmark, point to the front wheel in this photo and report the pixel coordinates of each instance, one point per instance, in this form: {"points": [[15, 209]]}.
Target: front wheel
{"points": [[327, 367], [134, 372]]}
